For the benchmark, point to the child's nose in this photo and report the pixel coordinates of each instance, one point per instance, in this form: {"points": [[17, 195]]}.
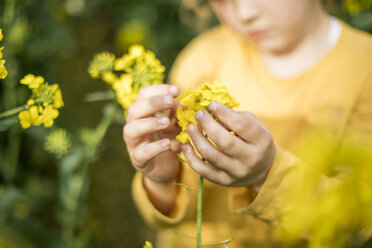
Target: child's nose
{"points": [[246, 10]]}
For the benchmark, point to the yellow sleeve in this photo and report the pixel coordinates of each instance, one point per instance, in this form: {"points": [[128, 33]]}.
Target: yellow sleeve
{"points": [[268, 204], [359, 126]]}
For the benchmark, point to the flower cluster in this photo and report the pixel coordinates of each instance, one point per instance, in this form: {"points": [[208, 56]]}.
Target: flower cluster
{"points": [[139, 68], [3, 71], [57, 142], [101, 64], [42, 107], [199, 99], [355, 6], [332, 207]]}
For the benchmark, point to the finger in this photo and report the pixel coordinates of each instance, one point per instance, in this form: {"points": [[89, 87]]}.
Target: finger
{"points": [[172, 114], [148, 106], [134, 131], [205, 170], [158, 89], [148, 151], [227, 142], [245, 125], [208, 151]]}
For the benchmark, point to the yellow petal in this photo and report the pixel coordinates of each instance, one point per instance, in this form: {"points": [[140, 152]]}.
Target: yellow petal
{"points": [[136, 50], [25, 119], [48, 123], [34, 112], [30, 102], [109, 77], [183, 137]]}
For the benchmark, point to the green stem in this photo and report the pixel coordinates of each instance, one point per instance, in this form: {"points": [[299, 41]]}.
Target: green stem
{"points": [[186, 187], [181, 234], [12, 111], [99, 96], [222, 243], [199, 214]]}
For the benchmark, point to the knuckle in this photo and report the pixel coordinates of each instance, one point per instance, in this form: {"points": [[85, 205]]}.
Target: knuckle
{"points": [[226, 143], [242, 125], [203, 149], [226, 180], [250, 115], [136, 157], [127, 132]]}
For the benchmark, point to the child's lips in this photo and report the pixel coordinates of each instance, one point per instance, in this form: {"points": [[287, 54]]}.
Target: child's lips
{"points": [[257, 34]]}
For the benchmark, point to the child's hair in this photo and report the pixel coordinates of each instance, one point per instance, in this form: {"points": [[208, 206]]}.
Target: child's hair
{"points": [[196, 14]]}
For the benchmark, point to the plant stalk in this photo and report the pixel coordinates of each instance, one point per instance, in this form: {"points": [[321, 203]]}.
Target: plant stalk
{"points": [[13, 111], [199, 214]]}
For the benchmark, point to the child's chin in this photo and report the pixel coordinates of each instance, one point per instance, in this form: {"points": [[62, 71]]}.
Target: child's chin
{"points": [[273, 46]]}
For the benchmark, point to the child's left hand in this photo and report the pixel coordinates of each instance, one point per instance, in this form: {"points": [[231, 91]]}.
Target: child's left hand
{"points": [[241, 160]]}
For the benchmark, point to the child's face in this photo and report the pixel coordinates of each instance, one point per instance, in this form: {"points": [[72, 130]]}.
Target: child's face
{"points": [[275, 25]]}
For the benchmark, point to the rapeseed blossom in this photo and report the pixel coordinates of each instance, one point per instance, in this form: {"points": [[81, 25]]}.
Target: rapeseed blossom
{"points": [[331, 204], [200, 98], [101, 64], [57, 143], [141, 69], [355, 6], [148, 245], [42, 107], [3, 71], [129, 73]]}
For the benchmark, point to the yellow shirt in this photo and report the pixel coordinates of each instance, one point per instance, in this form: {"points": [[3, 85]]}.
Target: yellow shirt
{"points": [[335, 94]]}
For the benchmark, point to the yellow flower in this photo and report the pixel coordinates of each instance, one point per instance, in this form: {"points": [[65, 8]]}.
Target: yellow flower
{"points": [[128, 74], [43, 104], [124, 92], [30, 116], [101, 63], [57, 101], [331, 207], [355, 6], [31, 81], [148, 245], [109, 77], [3, 71], [48, 116], [198, 99], [142, 65], [58, 142]]}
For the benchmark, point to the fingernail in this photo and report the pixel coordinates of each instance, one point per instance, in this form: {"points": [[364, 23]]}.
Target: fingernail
{"points": [[212, 106], [167, 100], [199, 114], [190, 128], [165, 143], [163, 121], [173, 90]]}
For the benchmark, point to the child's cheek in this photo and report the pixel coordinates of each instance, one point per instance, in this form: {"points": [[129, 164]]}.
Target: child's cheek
{"points": [[284, 14]]}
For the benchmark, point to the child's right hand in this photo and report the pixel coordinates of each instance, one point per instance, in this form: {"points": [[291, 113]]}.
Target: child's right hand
{"points": [[150, 136]]}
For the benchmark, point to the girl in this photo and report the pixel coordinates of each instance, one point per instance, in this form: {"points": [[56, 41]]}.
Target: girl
{"points": [[294, 69]]}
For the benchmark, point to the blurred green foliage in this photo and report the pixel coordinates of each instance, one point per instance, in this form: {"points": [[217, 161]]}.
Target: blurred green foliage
{"points": [[82, 199]]}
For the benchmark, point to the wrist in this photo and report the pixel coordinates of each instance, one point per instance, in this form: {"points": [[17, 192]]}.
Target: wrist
{"points": [[161, 194], [258, 185]]}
